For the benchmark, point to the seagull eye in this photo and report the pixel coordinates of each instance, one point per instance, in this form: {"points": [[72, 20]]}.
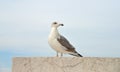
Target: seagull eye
{"points": [[55, 23]]}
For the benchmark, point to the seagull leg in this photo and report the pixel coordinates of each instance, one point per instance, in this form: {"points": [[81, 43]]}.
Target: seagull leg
{"points": [[57, 54], [61, 54]]}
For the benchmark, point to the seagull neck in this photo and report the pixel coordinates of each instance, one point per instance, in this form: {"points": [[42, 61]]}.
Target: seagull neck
{"points": [[54, 31]]}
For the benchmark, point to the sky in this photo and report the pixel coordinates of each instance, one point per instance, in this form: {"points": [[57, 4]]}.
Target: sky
{"points": [[91, 26]]}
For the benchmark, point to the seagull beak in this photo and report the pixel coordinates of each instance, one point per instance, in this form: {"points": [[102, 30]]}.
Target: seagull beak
{"points": [[61, 24]]}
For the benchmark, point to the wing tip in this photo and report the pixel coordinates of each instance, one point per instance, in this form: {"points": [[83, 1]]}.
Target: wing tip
{"points": [[77, 55], [80, 55]]}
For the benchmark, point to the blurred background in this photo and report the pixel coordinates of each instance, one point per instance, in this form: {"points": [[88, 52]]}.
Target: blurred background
{"points": [[92, 26]]}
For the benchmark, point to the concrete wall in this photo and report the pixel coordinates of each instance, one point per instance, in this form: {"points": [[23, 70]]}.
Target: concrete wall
{"points": [[65, 64]]}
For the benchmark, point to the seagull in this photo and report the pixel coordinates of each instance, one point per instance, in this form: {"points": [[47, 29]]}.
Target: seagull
{"points": [[59, 43]]}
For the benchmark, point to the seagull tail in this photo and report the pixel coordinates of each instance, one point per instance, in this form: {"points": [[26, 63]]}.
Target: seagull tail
{"points": [[76, 54]]}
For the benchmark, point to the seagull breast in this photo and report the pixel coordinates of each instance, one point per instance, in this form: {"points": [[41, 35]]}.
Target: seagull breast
{"points": [[54, 43]]}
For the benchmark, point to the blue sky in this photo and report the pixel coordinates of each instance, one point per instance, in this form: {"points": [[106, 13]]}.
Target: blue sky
{"points": [[92, 26]]}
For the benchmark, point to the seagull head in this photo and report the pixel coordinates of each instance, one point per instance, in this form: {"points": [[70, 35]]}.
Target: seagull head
{"points": [[56, 25]]}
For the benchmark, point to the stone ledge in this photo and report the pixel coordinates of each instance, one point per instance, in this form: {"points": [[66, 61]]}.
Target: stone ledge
{"points": [[65, 64]]}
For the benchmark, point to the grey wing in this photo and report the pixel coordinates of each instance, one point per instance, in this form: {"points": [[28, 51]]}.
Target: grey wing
{"points": [[64, 42]]}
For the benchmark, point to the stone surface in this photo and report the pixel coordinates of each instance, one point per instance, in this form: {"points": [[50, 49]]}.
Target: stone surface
{"points": [[65, 64]]}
